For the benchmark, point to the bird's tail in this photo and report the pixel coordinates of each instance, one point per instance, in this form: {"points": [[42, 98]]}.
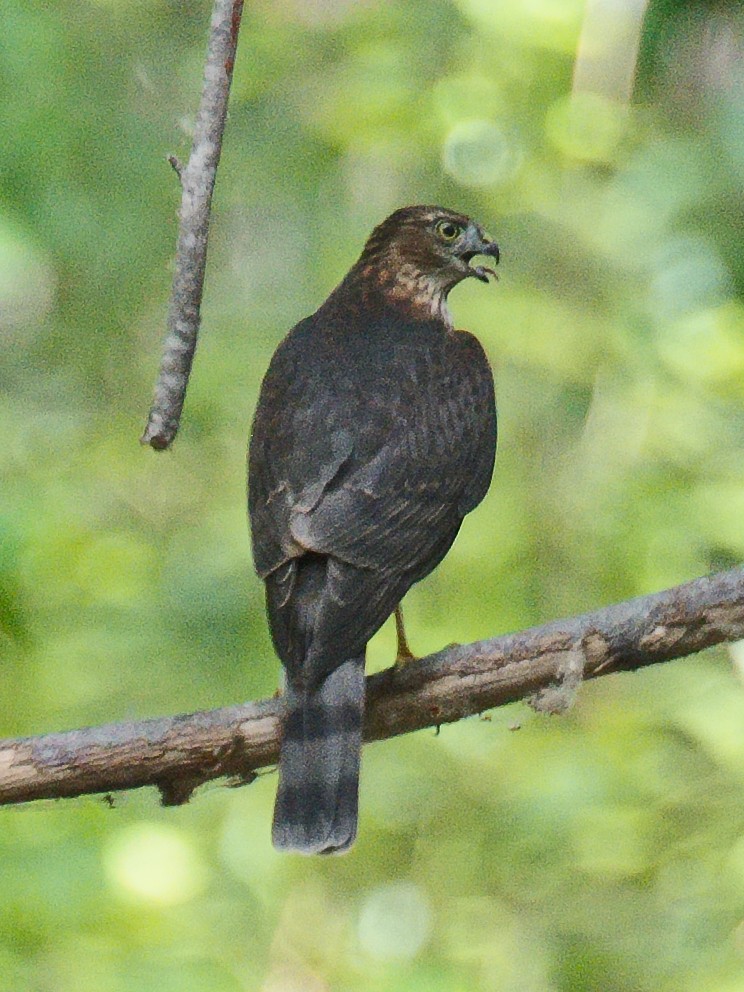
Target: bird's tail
{"points": [[317, 801]]}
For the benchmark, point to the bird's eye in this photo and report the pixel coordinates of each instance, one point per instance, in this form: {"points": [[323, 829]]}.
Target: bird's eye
{"points": [[448, 230]]}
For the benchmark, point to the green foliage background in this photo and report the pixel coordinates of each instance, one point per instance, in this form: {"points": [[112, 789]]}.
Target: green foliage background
{"points": [[600, 851]]}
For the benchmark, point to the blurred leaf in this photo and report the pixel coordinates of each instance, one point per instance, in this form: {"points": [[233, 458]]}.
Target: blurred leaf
{"points": [[598, 851]]}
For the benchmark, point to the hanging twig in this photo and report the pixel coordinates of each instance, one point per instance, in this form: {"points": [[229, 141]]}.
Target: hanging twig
{"points": [[197, 183], [177, 754]]}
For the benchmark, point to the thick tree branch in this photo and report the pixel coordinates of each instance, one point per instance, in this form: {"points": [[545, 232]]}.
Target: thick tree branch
{"points": [[197, 183], [176, 754]]}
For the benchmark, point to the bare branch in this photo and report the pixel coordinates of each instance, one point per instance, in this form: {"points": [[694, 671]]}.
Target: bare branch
{"points": [[197, 183], [177, 754]]}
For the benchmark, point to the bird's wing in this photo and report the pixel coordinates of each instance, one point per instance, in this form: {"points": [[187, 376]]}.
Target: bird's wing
{"points": [[478, 411], [298, 444], [377, 467]]}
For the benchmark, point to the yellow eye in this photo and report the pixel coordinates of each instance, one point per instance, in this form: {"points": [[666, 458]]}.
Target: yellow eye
{"points": [[448, 230]]}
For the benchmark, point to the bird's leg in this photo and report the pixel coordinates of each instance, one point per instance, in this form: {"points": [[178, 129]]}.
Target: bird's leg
{"points": [[404, 652]]}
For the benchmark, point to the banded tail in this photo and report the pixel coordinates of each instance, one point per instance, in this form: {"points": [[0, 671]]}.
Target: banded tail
{"points": [[316, 807]]}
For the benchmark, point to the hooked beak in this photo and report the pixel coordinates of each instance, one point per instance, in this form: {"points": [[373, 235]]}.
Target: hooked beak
{"points": [[476, 243]]}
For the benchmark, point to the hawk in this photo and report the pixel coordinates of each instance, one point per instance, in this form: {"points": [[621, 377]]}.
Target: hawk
{"points": [[374, 435]]}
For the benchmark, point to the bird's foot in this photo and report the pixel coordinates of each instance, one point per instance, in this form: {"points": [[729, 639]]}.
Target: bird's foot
{"points": [[404, 654]]}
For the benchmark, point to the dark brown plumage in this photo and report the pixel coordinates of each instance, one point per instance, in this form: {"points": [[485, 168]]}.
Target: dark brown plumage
{"points": [[374, 435]]}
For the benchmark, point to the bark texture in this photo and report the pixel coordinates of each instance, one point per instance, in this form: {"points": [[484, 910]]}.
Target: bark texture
{"points": [[197, 183], [544, 664]]}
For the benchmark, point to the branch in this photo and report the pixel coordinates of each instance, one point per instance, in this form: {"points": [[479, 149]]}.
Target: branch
{"points": [[197, 183], [176, 754]]}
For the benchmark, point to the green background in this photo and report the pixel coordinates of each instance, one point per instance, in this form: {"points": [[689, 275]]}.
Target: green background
{"points": [[603, 850]]}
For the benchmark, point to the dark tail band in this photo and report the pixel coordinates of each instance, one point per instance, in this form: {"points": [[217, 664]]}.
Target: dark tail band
{"points": [[317, 802]]}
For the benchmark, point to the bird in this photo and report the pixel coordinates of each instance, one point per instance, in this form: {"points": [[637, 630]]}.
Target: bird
{"points": [[374, 435]]}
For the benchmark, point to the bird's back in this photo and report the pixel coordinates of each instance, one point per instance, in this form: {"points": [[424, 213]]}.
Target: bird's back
{"points": [[374, 435]]}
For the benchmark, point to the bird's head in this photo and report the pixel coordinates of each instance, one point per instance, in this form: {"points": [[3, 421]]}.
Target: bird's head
{"points": [[418, 254]]}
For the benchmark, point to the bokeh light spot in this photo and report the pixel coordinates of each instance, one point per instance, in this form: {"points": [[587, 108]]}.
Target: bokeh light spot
{"points": [[479, 153], [395, 921], [687, 275], [455, 97], [154, 864], [586, 127]]}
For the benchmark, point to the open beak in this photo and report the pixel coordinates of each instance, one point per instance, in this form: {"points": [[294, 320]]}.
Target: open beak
{"points": [[478, 244]]}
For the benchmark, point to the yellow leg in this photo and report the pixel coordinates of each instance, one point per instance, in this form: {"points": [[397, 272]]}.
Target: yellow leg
{"points": [[404, 652]]}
